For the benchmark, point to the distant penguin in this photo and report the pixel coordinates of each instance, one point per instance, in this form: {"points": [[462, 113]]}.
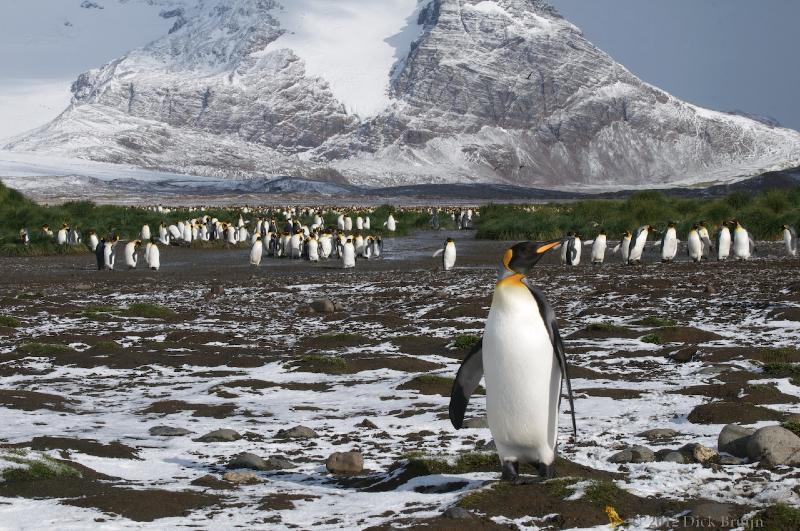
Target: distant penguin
{"points": [[574, 247], [61, 237], [186, 233], [73, 236], [163, 234], [131, 253], [325, 245], [312, 249], [448, 253], [790, 240], [231, 235], [256, 252], [564, 253], [637, 244], [99, 254], [175, 233], [743, 244], [24, 237], [348, 254], [669, 243], [367, 223], [359, 223], [705, 239], [358, 243], [724, 242], [390, 224], [694, 244], [108, 255], [145, 235], [624, 246], [93, 241], [340, 222], [599, 248], [296, 245], [348, 224]]}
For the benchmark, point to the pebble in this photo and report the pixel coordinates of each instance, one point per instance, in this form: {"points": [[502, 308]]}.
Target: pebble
{"points": [[774, 446], [345, 463], [241, 478], [223, 435], [634, 454], [168, 431], [733, 439], [298, 432]]}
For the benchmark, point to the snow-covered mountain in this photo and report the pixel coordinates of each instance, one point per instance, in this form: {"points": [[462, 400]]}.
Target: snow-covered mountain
{"points": [[396, 92]]}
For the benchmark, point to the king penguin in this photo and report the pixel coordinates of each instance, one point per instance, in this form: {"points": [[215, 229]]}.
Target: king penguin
{"points": [[599, 248], [723, 242], [669, 243], [743, 244], [624, 246], [790, 240], [694, 244], [256, 252], [638, 242], [131, 253], [522, 358], [448, 253]]}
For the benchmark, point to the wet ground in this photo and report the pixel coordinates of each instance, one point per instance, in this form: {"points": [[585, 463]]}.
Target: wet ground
{"points": [[86, 377]]}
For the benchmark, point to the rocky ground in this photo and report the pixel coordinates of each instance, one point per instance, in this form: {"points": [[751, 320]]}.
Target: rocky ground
{"points": [[212, 395]]}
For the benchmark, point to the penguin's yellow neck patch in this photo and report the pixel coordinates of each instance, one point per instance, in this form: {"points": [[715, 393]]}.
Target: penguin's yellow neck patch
{"points": [[507, 259], [511, 280]]}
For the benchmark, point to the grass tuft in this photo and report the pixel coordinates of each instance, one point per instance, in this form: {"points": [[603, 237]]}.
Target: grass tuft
{"points": [[34, 468], [43, 349], [334, 362], [780, 517], [654, 339], [9, 321], [603, 493], [792, 426], [605, 327], [465, 341], [781, 355]]}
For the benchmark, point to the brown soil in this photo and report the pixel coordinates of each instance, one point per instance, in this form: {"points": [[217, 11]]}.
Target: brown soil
{"points": [[31, 401], [167, 407], [731, 412]]}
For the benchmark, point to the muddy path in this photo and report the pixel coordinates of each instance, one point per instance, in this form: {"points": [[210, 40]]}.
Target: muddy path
{"points": [[125, 396]]}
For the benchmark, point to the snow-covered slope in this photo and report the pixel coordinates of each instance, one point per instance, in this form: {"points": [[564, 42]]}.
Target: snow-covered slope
{"points": [[398, 92]]}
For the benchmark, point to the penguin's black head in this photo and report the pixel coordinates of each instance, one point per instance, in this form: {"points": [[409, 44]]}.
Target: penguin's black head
{"points": [[450, 240], [523, 256]]}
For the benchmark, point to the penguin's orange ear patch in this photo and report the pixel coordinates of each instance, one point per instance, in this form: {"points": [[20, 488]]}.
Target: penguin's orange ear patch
{"points": [[546, 247], [507, 259]]}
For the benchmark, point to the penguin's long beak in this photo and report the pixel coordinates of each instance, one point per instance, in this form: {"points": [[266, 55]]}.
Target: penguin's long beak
{"points": [[523, 256]]}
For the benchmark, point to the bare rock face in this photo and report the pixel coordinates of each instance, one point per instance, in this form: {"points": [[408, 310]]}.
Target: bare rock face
{"points": [[345, 463], [502, 91], [774, 446]]}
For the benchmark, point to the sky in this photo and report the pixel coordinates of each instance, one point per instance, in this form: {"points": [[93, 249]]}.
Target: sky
{"points": [[721, 54]]}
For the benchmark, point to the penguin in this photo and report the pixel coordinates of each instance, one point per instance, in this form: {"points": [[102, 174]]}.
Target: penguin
{"points": [[694, 244], [669, 243], [448, 253], [367, 223], [359, 223], [599, 248], [368, 243], [340, 222], [358, 243], [108, 255], [73, 236], [638, 241], [743, 244], [145, 234], [377, 247], [325, 245], [390, 224], [93, 241], [348, 254], [723, 242], [348, 224], [230, 235], [705, 239], [312, 248], [163, 234], [790, 240], [434, 222], [24, 237], [175, 233], [256, 252], [574, 246], [186, 233], [61, 237], [521, 356], [296, 245], [131, 256], [624, 246], [564, 256], [99, 254], [46, 230]]}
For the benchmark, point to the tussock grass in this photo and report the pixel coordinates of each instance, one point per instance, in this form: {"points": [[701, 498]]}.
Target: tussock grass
{"points": [[465, 341], [9, 321], [654, 339], [43, 349], [605, 327], [603, 493], [32, 467], [780, 517]]}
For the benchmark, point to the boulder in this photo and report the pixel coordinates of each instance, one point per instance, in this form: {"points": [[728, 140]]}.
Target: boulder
{"points": [[323, 306], [733, 439], [457, 513], [248, 460], [241, 478], [345, 463], [168, 431], [223, 435], [298, 432], [634, 454], [774, 446]]}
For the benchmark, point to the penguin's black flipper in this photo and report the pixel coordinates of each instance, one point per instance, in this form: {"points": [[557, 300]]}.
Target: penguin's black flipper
{"points": [[467, 380], [752, 244], [549, 318]]}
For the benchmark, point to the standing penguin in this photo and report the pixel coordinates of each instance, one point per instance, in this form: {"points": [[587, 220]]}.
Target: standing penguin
{"points": [[93, 241], [145, 235], [348, 254], [599, 247], [624, 246], [154, 257], [669, 243], [108, 254], [448, 253], [390, 224], [705, 239], [61, 237], [522, 358], [694, 244], [790, 240], [638, 241], [131, 253], [743, 244], [99, 254], [312, 248], [723, 242], [256, 252]]}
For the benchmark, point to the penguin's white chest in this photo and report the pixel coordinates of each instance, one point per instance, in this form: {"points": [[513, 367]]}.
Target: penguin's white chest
{"points": [[599, 249], [449, 256], [523, 380], [741, 244], [695, 246], [670, 248], [724, 243]]}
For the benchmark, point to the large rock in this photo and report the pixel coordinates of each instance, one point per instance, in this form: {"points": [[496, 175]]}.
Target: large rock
{"points": [[168, 431], [774, 446], [658, 433], [345, 463], [733, 439], [323, 306], [298, 432], [248, 460], [634, 454], [241, 478], [223, 435]]}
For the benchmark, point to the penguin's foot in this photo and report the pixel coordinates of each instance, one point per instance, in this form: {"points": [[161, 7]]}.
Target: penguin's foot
{"points": [[546, 471], [510, 472]]}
